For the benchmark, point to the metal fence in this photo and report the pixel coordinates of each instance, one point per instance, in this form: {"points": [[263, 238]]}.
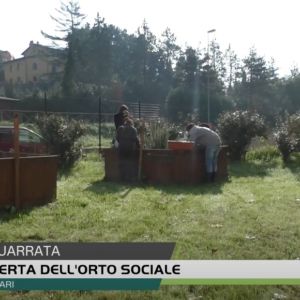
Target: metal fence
{"points": [[105, 113]]}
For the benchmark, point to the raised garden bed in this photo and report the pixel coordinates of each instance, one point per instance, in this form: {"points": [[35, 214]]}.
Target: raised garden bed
{"points": [[166, 166], [36, 184]]}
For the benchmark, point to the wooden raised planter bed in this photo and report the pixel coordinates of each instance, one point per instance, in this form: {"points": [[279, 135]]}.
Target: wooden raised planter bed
{"points": [[167, 166], [37, 181]]}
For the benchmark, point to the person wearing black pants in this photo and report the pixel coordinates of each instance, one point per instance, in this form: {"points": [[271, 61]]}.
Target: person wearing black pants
{"points": [[129, 144]]}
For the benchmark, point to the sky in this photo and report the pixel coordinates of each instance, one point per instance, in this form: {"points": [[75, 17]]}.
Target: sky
{"points": [[272, 27]]}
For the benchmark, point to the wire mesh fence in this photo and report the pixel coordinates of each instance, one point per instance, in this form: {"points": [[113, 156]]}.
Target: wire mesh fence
{"points": [[107, 109], [101, 121]]}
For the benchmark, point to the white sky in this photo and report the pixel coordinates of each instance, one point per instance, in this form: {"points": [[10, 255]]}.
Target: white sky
{"points": [[271, 26]]}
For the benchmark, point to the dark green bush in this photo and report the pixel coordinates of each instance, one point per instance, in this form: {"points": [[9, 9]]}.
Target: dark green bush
{"points": [[287, 136], [62, 135], [179, 104], [237, 129]]}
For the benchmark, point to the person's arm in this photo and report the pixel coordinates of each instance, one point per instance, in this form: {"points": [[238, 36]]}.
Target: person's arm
{"points": [[136, 138], [119, 133], [188, 136], [192, 135], [116, 121]]}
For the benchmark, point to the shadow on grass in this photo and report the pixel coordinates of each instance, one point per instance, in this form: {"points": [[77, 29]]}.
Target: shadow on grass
{"points": [[294, 165], [10, 213], [123, 189], [106, 187], [251, 168], [200, 189]]}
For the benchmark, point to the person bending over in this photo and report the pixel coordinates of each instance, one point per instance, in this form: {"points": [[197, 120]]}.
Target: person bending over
{"points": [[209, 140]]}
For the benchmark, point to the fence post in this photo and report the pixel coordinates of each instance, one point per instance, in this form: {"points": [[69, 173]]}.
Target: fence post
{"points": [[99, 122], [17, 161], [45, 103], [141, 149], [139, 109]]}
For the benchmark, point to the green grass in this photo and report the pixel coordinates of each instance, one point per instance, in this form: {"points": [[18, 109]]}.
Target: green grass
{"points": [[254, 215], [265, 153]]}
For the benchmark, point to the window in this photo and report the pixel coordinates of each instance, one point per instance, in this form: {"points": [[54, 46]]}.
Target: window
{"points": [[23, 136], [6, 135], [34, 66], [34, 79], [18, 66], [28, 137], [35, 138], [10, 68]]}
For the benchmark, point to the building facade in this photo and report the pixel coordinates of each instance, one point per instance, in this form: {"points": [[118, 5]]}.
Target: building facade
{"points": [[5, 56], [38, 63]]}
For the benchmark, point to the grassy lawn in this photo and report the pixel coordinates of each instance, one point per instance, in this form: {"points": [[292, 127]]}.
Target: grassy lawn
{"points": [[254, 215]]}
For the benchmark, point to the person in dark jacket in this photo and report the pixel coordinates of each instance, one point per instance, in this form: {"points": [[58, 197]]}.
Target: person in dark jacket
{"points": [[120, 117], [129, 144]]}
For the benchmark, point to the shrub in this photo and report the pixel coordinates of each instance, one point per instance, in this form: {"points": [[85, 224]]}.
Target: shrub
{"points": [[156, 135], [284, 143], [294, 130], [62, 135], [175, 132], [237, 129], [287, 136], [108, 130], [265, 153]]}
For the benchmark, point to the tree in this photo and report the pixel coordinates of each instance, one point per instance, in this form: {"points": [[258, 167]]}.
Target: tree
{"points": [[169, 48], [292, 92], [68, 20], [255, 90], [192, 72], [179, 104], [232, 69], [186, 68], [96, 54], [68, 23]]}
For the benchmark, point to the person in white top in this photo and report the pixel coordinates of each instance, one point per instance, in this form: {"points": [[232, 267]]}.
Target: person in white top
{"points": [[208, 140]]}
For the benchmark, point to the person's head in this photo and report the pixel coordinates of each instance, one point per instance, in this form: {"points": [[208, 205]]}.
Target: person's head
{"points": [[189, 127], [204, 125], [123, 107], [128, 122]]}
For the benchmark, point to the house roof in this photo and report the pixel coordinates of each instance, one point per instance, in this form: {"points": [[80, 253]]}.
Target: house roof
{"points": [[36, 47]]}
